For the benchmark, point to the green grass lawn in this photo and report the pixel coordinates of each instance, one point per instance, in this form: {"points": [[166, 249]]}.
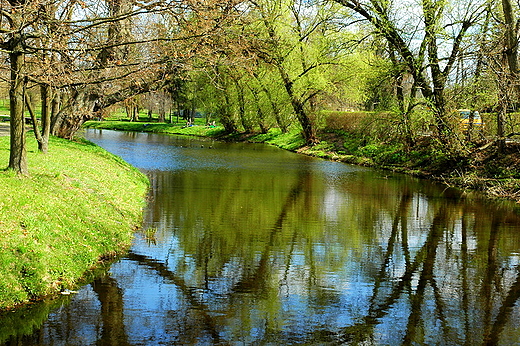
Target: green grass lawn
{"points": [[79, 204], [199, 128]]}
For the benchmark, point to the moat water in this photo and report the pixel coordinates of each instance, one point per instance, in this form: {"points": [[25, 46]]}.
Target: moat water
{"points": [[247, 244]]}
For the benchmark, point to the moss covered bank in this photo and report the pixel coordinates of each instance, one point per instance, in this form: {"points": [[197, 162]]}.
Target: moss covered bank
{"points": [[78, 206]]}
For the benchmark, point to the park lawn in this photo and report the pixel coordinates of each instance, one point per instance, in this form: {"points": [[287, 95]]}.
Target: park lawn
{"points": [[78, 206], [199, 129]]}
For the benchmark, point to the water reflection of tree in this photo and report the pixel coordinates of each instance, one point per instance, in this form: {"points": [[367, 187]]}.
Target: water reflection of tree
{"points": [[112, 312], [209, 323], [256, 279], [426, 268], [445, 264], [252, 279], [423, 283]]}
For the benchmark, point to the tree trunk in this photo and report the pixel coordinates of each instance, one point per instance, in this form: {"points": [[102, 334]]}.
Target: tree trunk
{"points": [[404, 108], [309, 133], [135, 112], [34, 120], [46, 96], [276, 110], [56, 111], [162, 116], [242, 106], [259, 112], [18, 153], [80, 109], [501, 141], [431, 19], [225, 115], [511, 33], [118, 33]]}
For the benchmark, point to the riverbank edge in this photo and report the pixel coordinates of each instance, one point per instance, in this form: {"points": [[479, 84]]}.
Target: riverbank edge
{"points": [[77, 210], [468, 172]]}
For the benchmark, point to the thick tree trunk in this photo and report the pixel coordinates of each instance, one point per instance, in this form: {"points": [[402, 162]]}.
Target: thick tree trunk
{"points": [[225, 115], [55, 112], [80, 109], [18, 153], [118, 33]]}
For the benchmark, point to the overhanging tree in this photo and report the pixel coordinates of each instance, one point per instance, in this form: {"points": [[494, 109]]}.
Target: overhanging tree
{"points": [[90, 55]]}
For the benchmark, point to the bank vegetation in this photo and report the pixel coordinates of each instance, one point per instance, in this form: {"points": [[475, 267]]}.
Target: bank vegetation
{"points": [[76, 209]]}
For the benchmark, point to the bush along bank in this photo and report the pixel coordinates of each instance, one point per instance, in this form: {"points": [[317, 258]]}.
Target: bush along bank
{"points": [[78, 207], [479, 166]]}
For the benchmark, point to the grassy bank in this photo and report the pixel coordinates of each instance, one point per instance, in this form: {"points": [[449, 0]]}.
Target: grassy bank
{"points": [[78, 206], [199, 129], [487, 169]]}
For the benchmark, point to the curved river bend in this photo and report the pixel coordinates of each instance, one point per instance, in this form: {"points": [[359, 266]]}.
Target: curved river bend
{"points": [[246, 244]]}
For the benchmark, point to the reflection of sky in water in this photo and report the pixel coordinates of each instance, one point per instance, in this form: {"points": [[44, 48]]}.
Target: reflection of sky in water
{"points": [[344, 291], [159, 152]]}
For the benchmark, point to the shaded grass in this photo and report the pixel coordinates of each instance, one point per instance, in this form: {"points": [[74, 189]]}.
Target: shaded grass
{"points": [[78, 204], [292, 140]]}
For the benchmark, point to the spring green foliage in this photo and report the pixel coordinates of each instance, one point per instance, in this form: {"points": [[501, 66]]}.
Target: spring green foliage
{"points": [[58, 222]]}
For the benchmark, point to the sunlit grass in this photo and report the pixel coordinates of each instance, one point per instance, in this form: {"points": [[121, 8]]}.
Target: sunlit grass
{"points": [[199, 129], [291, 140], [77, 204]]}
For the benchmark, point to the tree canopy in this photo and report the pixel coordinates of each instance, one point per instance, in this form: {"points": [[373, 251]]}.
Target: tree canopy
{"points": [[258, 64]]}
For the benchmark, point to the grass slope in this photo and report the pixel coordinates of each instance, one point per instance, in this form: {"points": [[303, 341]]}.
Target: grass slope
{"points": [[78, 205]]}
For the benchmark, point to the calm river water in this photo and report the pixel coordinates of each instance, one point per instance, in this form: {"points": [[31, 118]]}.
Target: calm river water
{"points": [[246, 244]]}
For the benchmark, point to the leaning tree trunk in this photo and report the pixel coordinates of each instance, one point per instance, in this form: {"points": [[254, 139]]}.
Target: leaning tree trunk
{"points": [[246, 124], [80, 109], [34, 120], [309, 132]]}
